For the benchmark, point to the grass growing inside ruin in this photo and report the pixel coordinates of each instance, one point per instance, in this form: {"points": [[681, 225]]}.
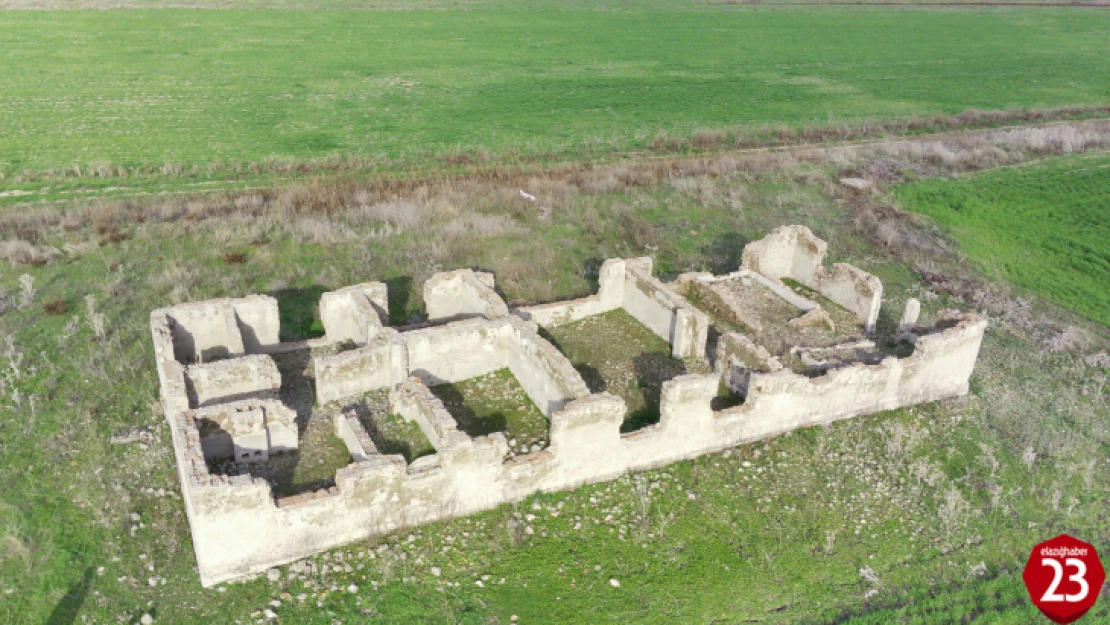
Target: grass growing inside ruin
{"points": [[390, 433], [614, 352], [320, 453], [1043, 227], [227, 89], [495, 402]]}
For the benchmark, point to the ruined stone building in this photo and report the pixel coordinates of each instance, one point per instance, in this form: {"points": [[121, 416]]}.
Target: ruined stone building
{"points": [[785, 341]]}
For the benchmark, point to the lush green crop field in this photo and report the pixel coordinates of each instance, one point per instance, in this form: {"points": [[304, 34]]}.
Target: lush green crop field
{"points": [[149, 87], [1045, 227]]}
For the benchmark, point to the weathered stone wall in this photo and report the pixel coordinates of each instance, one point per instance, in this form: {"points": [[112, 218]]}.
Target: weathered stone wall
{"points": [[450, 353], [664, 312], [253, 376], [794, 252], [456, 351], [278, 431], [354, 436], [461, 294], [628, 284], [610, 296], [221, 328], [356, 313], [413, 401], [543, 372], [738, 357], [381, 363]]}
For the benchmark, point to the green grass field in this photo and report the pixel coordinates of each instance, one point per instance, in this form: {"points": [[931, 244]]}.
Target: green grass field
{"points": [[99, 88], [1045, 227]]}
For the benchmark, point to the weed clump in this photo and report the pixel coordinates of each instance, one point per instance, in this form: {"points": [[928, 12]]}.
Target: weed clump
{"points": [[56, 307]]}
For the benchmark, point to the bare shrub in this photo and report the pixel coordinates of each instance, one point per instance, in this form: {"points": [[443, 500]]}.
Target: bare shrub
{"points": [[481, 226], [20, 252], [26, 290], [953, 514], [1098, 360], [97, 321], [901, 440], [1054, 338], [12, 547], [402, 214], [988, 459], [292, 199], [250, 203], [180, 279], [707, 138], [550, 190], [683, 184], [638, 232], [600, 183], [319, 231]]}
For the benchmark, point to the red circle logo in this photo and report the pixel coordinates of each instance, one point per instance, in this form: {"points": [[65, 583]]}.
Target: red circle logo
{"points": [[1064, 578]]}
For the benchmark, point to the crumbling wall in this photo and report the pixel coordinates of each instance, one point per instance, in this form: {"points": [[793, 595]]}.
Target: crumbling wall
{"points": [[262, 424], [738, 357], [171, 373], [258, 322], [222, 328], [413, 401], [253, 376], [544, 373], [354, 436], [450, 353], [940, 367], [461, 294], [238, 529], [628, 284], [380, 363], [356, 313], [795, 252], [610, 296], [457, 351], [664, 312]]}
